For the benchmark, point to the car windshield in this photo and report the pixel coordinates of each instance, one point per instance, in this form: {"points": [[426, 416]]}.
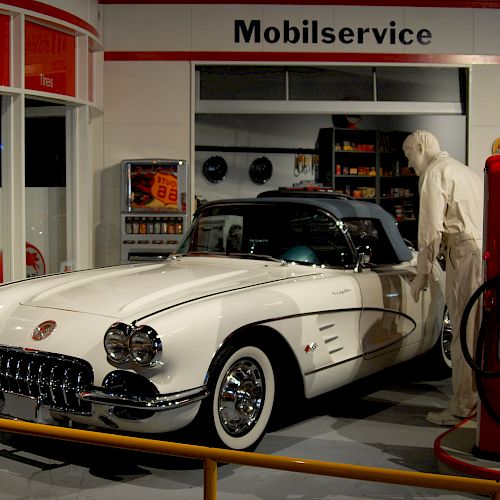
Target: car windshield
{"points": [[298, 233]]}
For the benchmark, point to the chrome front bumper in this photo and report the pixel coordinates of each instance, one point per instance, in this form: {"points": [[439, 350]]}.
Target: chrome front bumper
{"points": [[160, 402]]}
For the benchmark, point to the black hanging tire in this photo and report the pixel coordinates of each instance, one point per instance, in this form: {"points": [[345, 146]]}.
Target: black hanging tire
{"points": [[242, 392]]}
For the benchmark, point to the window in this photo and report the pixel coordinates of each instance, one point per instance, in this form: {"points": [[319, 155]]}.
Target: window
{"points": [[420, 84], [242, 82], [369, 236], [332, 83], [290, 232]]}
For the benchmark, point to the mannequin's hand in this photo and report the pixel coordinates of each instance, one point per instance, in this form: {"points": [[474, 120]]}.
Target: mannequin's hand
{"points": [[418, 284]]}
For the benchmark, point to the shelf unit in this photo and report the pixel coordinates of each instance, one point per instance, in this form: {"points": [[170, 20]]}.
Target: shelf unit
{"points": [[370, 165]]}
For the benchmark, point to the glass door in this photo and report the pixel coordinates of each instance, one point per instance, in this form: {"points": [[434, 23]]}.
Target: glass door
{"points": [[47, 171]]}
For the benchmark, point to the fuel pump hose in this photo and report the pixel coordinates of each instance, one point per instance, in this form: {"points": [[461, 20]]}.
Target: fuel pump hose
{"points": [[479, 371]]}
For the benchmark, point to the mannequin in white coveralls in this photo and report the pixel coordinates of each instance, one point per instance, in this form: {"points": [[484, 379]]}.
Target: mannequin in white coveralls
{"points": [[451, 210]]}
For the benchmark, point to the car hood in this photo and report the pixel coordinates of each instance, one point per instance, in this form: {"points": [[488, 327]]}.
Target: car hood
{"points": [[141, 289]]}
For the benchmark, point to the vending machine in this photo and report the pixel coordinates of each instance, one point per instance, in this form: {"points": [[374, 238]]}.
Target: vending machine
{"points": [[155, 208]]}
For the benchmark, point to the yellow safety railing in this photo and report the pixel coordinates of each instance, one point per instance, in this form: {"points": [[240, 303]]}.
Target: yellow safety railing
{"points": [[212, 456]]}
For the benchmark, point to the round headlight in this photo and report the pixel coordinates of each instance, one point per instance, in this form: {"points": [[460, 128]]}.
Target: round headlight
{"points": [[145, 346], [116, 342]]}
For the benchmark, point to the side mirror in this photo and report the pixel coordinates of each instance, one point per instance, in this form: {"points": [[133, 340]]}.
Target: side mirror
{"points": [[409, 244], [364, 254]]}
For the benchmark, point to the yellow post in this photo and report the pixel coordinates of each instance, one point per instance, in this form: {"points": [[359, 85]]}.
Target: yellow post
{"points": [[209, 479]]}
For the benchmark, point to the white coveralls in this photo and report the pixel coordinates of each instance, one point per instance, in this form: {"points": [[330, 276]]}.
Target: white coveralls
{"points": [[451, 207]]}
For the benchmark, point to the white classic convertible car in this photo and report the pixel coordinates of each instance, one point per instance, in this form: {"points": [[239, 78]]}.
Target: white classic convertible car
{"points": [[266, 299]]}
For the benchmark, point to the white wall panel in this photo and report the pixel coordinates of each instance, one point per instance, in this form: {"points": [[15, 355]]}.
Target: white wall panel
{"points": [[452, 30], [147, 27], [481, 139], [485, 113], [147, 114], [136, 140], [147, 92], [129, 141], [485, 104], [212, 26], [369, 17], [487, 31]]}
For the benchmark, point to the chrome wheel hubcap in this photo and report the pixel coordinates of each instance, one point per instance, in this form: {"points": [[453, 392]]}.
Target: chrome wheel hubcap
{"points": [[446, 335], [241, 397]]}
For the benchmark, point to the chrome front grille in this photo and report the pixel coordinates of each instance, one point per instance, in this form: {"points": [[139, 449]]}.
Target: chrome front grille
{"points": [[54, 380]]}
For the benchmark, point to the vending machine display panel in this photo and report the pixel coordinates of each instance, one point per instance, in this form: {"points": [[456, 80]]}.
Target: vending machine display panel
{"points": [[153, 186], [155, 212]]}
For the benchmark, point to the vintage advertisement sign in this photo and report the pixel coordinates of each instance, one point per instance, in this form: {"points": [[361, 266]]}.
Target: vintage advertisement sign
{"points": [[49, 60], [35, 262], [165, 189], [4, 50], [153, 187]]}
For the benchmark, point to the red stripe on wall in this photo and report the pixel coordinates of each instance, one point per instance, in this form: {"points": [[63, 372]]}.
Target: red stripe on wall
{"points": [[451, 4], [49, 10], [455, 59]]}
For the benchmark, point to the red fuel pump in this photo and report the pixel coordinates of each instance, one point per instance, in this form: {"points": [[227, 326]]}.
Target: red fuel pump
{"points": [[486, 362]]}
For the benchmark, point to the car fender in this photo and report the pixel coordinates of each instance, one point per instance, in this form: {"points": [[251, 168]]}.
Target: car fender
{"points": [[297, 309]]}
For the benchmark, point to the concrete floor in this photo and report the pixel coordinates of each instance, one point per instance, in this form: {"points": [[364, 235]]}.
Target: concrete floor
{"points": [[379, 422]]}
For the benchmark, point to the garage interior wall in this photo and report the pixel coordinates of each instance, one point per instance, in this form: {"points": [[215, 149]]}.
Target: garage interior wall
{"points": [[156, 123], [389, 98], [484, 118], [147, 115], [150, 104], [293, 131]]}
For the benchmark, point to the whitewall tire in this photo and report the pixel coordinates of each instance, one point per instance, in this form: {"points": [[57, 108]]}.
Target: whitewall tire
{"points": [[242, 397]]}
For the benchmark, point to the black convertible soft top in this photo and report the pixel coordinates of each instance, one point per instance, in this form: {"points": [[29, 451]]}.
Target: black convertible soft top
{"points": [[341, 206]]}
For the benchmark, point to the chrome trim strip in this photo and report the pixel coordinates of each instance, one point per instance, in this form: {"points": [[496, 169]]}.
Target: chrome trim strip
{"points": [[52, 377], [156, 403], [333, 351], [326, 327], [65, 385], [326, 340], [362, 355]]}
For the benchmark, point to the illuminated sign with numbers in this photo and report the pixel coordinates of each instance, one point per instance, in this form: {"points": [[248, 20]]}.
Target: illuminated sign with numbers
{"points": [[153, 186]]}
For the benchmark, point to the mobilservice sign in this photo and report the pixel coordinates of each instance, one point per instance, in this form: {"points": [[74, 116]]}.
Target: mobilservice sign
{"points": [[313, 32]]}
